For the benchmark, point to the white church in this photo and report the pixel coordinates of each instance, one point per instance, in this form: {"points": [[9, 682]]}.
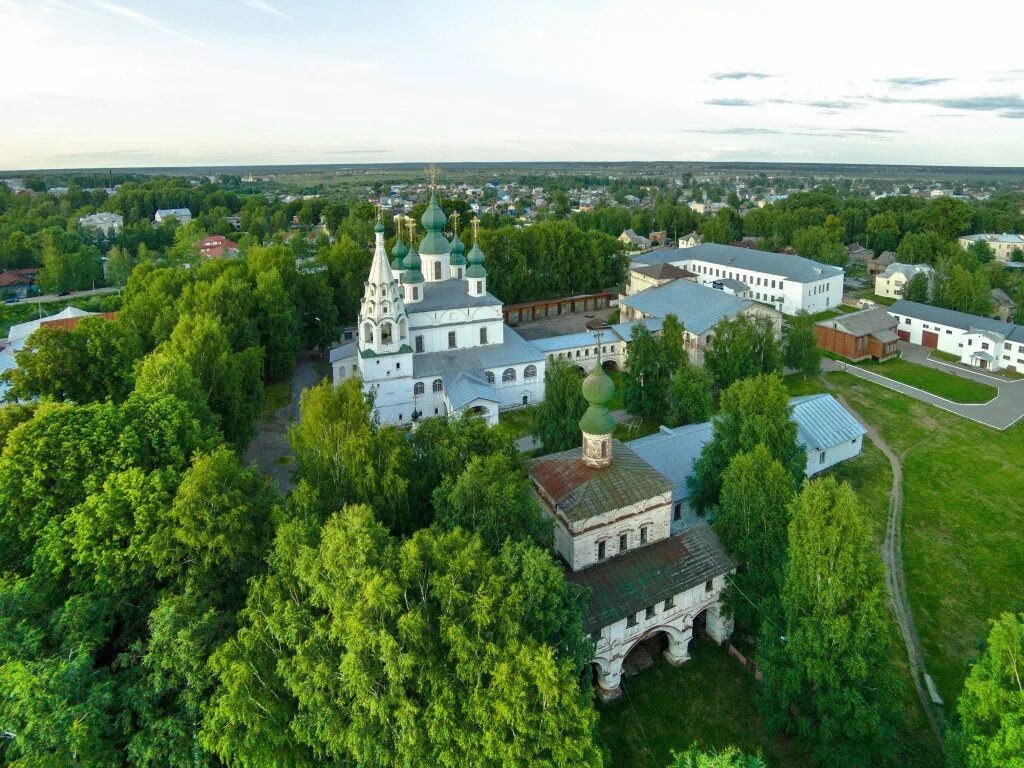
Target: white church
{"points": [[432, 341]]}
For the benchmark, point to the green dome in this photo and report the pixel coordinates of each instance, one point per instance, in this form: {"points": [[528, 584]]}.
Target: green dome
{"points": [[598, 388], [433, 218], [379, 227], [597, 421], [476, 256], [434, 244], [411, 263], [458, 251], [399, 251]]}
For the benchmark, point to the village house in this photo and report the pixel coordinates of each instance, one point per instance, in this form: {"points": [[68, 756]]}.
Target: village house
{"points": [[894, 279], [181, 215], [18, 282], [217, 247], [107, 223], [877, 264], [1004, 307], [633, 241]]}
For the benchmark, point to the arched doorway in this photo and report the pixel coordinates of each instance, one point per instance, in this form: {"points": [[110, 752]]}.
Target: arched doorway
{"points": [[479, 410], [610, 365]]}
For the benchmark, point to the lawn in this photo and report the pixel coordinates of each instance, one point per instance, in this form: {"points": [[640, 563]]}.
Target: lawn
{"points": [[798, 385], [635, 428], [940, 383], [710, 699], [963, 521], [519, 420]]}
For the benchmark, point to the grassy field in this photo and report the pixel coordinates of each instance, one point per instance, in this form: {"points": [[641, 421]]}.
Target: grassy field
{"points": [[710, 699], [946, 385], [963, 521], [519, 420]]}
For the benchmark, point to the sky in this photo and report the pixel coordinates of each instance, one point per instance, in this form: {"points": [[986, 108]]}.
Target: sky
{"points": [[121, 83]]}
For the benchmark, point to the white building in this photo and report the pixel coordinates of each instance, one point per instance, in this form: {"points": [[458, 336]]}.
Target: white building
{"points": [[827, 431], [978, 341], [182, 215], [612, 519], [787, 283], [1002, 245], [108, 223], [894, 279]]}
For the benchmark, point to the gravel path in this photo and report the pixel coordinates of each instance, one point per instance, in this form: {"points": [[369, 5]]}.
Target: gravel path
{"points": [[895, 579]]}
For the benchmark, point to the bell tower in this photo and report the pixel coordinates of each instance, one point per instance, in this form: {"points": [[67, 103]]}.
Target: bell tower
{"points": [[383, 324]]}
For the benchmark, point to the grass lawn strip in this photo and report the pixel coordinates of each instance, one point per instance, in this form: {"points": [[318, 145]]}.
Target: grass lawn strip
{"points": [[945, 385]]}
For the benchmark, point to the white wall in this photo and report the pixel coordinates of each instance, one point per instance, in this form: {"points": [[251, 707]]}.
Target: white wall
{"points": [[819, 461], [434, 327], [579, 545]]}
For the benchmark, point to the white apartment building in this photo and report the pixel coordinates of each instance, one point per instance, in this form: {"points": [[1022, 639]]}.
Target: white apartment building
{"points": [[1002, 245], [107, 223], [182, 215]]}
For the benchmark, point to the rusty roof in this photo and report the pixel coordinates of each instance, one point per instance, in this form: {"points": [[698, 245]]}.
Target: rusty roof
{"points": [[71, 323], [664, 271], [625, 584], [581, 491]]}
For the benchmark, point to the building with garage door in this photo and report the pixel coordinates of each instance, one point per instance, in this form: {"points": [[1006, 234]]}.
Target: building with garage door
{"points": [[981, 342]]}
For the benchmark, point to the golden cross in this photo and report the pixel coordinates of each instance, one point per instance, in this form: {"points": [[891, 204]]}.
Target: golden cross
{"points": [[380, 211], [432, 174], [455, 221], [476, 228], [412, 228]]}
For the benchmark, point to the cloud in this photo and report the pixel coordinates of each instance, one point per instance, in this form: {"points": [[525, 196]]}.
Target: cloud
{"points": [[740, 75], [914, 82], [732, 103], [264, 7], [828, 133], [1010, 105], [146, 20], [818, 103]]}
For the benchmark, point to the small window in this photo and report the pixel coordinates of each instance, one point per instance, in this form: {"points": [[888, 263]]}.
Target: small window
{"points": [[631, 621], [821, 458], [604, 449], [600, 550], [451, 339], [437, 270], [483, 335], [479, 286], [643, 535], [709, 585], [677, 511], [649, 613], [530, 372], [669, 603], [623, 541], [415, 293], [490, 377]]}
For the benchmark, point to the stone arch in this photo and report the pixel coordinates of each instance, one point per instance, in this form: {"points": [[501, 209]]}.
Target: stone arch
{"points": [[610, 365], [403, 328], [530, 372], [367, 332], [386, 331], [509, 374], [437, 385], [580, 370], [418, 388]]}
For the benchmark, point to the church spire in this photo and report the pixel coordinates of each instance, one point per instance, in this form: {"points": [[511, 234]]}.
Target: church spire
{"points": [[383, 326], [597, 423]]}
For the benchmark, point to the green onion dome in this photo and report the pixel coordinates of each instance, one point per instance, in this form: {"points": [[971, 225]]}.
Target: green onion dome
{"points": [[476, 262], [411, 262], [598, 390], [458, 251], [379, 227], [398, 253], [433, 219]]}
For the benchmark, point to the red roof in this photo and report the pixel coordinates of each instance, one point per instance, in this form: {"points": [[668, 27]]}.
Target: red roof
{"points": [[11, 277], [216, 246], [70, 323]]}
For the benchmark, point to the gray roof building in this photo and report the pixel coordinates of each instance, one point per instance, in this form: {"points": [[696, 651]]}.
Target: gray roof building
{"points": [[514, 351], [955, 319], [784, 265], [698, 307]]}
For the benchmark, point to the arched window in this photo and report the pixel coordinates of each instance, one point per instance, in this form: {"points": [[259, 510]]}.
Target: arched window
{"points": [[509, 374], [383, 292], [490, 377], [403, 328], [437, 386], [367, 333], [385, 333], [385, 308], [418, 388], [530, 372]]}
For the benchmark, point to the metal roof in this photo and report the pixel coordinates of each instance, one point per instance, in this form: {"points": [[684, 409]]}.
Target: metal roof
{"points": [[673, 451], [735, 285], [955, 319], [449, 294], [821, 422], [24, 330], [625, 584], [581, 491], [698, 307], [663, 271], [513, 351], [791, 267], [463, 388], [907, 270], [568, 341], [863, 322], [344, 351]]}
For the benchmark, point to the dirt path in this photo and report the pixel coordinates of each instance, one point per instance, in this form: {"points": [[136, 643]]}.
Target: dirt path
{"points": [[895, 579]]}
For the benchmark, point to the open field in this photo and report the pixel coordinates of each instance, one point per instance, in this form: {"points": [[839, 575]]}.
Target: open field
{"points": [[710, 698], [940, 383], [963, 521]]}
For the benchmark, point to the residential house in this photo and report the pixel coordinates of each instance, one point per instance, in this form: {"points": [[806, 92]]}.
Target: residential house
{"points": [[18, 282], [690, 240], [632, 240], [654, 276], [981, 342], [789, 283], [1002, 245], [181, 215], [869, 333], [217, 247], [657, 238], [858, 254], [107, 223], [894, 279], [1005, 307], [877, 265]]}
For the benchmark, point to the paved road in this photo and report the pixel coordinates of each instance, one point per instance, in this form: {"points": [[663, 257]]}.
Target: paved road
{"points": [[51, 297], [895, 578], [1000, 413], [270, 450]]}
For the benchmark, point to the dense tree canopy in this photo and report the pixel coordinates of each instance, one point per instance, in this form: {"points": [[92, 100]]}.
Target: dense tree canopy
{"points": [[742, 347], [556, 421]]}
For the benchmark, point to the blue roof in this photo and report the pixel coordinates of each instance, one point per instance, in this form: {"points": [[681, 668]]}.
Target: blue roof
{"points": [[553, 343], [955, 319], [786, 265], [515, 350], [463, 388], [822, 422], [625, 330], [673, 451], [698, 307]]}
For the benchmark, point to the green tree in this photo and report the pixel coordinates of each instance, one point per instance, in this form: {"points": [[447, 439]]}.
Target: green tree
{"points": [[556, 419], [689, 396], [831, 661], [751, 411], [492, 497], [991, 706], [119, 266], [93, 361], [278, 325], [426, 632], [883, 231], [643, 380], [730, 757], [753, 513], [742, 347], [918, 288], [800, 350]]}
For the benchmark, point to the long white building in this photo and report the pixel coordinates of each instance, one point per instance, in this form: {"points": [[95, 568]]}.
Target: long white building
{"points": [[788, 283]]}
